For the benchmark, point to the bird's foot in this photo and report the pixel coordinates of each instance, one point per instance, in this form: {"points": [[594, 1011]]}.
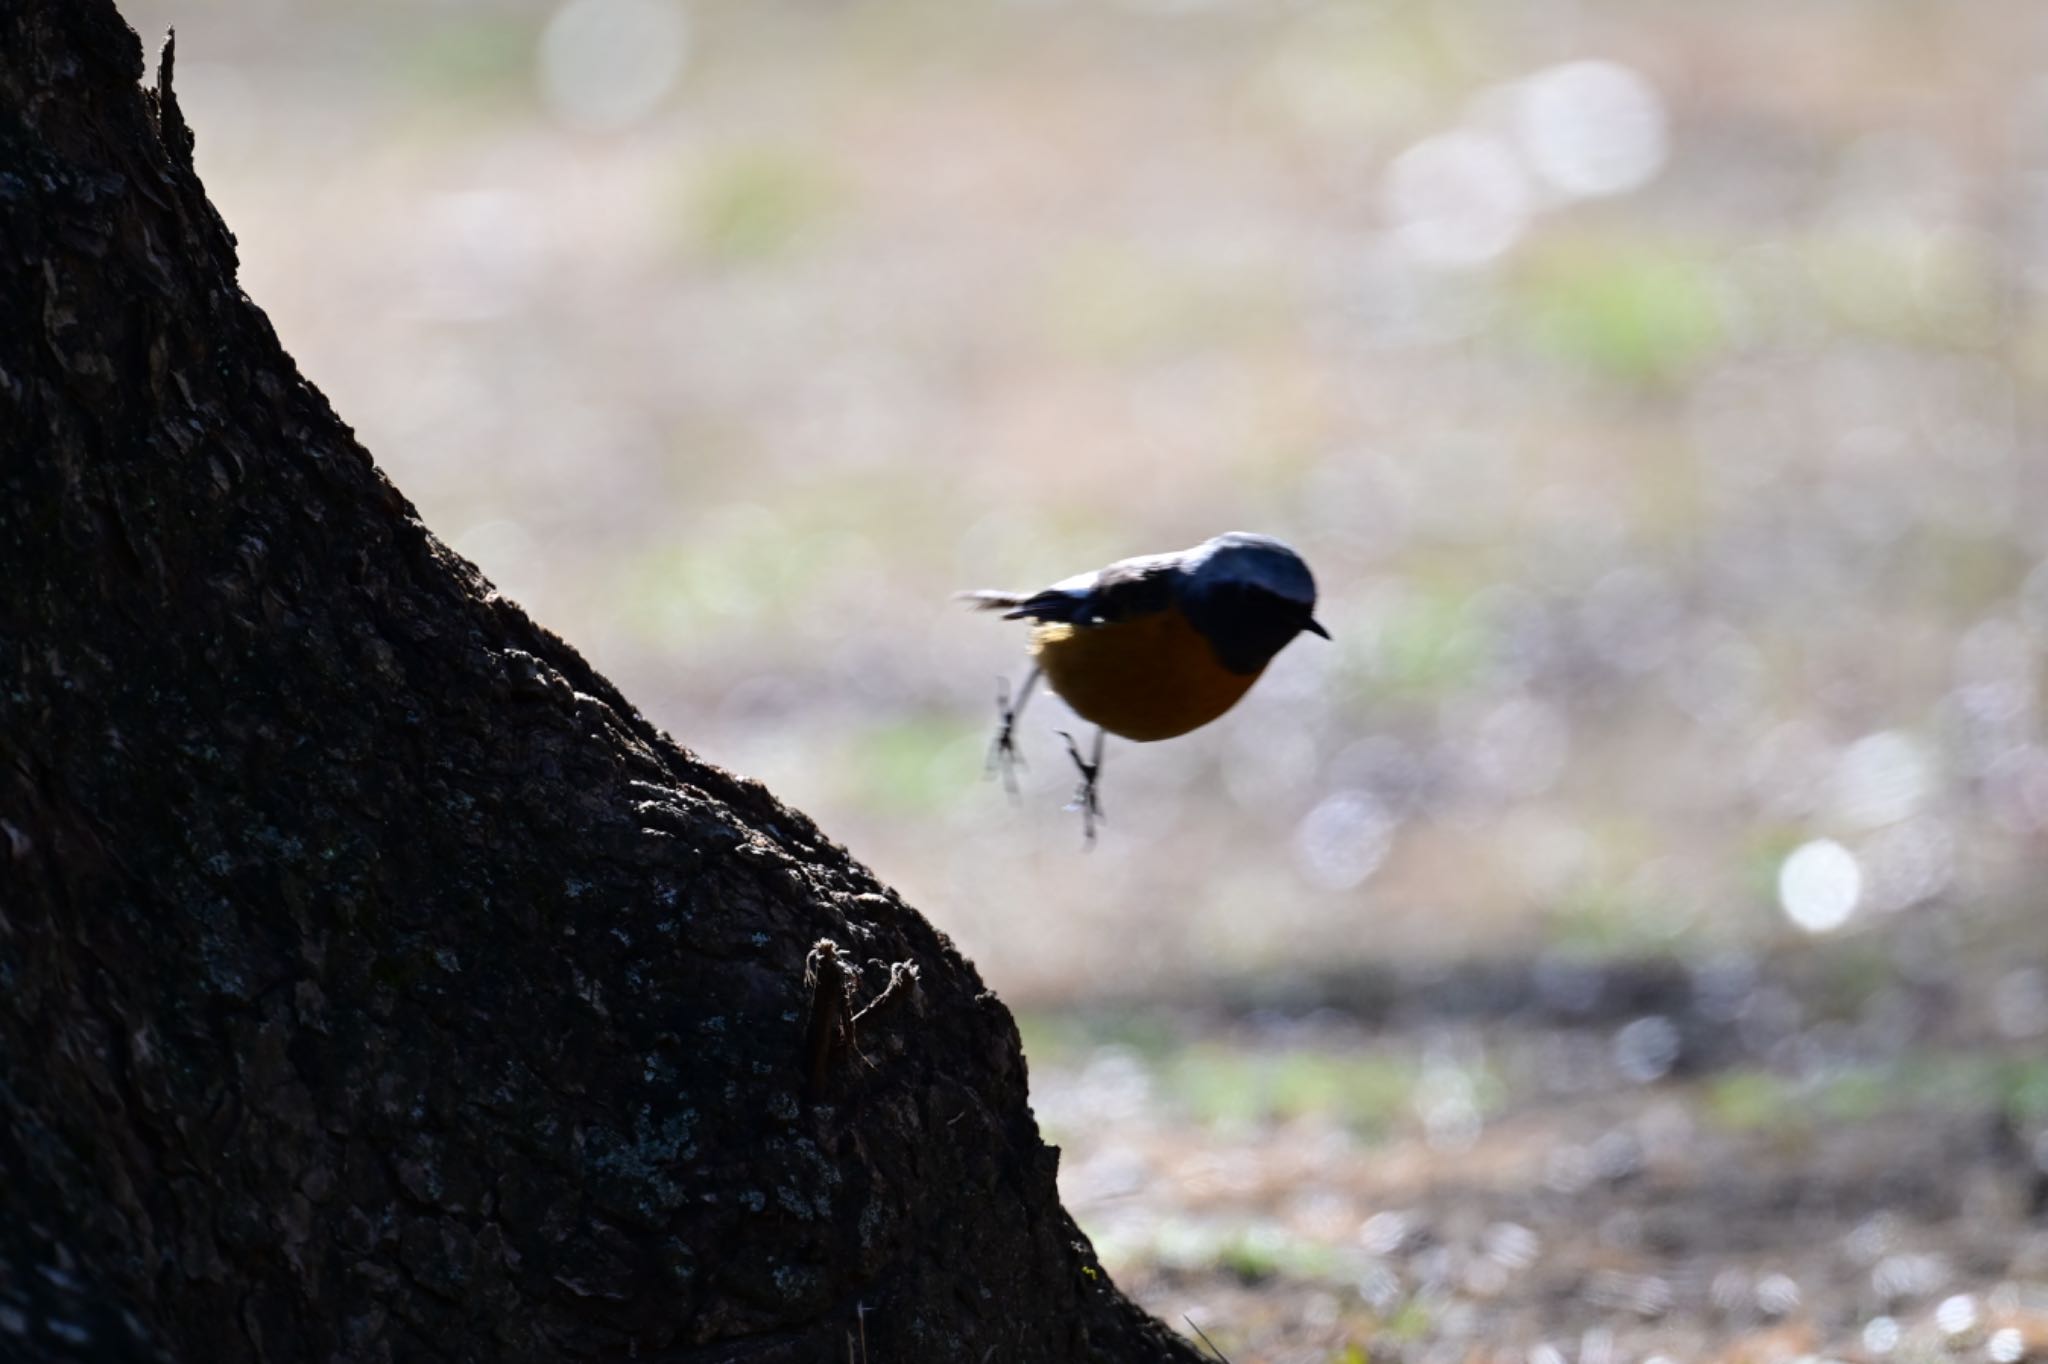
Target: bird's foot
{"points": [[1087, 798], [1003, 756]]}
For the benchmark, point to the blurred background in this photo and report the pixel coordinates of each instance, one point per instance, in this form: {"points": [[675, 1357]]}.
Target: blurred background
{"points": [[1625, 938]]}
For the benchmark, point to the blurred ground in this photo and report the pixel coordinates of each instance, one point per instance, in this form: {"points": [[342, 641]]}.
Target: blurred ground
{"points": [[1614, 1163], [1656, 390]]}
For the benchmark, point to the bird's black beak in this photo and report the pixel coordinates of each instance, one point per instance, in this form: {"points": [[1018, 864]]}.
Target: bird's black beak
{"points": [[1315, 627]]}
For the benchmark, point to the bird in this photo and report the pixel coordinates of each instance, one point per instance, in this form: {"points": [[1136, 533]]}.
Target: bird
{"points": [[1153, 646]]}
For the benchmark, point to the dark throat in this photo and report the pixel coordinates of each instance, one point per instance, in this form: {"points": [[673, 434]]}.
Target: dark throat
{"points": [[1246, 625]]}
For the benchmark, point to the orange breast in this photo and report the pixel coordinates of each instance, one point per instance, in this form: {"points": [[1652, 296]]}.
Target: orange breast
{"points": [[1150, 677]]}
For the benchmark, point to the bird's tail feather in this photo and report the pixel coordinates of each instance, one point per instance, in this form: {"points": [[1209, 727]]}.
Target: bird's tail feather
{"points": [[988, 599]]}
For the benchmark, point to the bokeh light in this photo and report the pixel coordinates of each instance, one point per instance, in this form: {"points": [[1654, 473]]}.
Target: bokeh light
{"points": [[1457, 199], [1592, 128], [1343, 839], [607, 64], [1820, 885]]}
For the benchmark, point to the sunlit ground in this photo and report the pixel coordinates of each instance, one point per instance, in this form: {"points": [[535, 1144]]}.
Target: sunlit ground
{"points": [[1655, 390], [1812, 1163]]}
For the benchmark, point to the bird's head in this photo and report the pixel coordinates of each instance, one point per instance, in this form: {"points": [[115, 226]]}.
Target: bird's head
{"points": [[1249, 595]]}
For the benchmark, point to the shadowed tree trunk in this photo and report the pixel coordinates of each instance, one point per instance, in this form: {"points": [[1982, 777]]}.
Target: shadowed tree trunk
{"points": [[375, 983]]}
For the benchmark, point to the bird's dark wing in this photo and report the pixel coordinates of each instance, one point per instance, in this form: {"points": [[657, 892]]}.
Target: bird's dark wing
{"points": [[1062, 601], [1067, 601], [1133, 587], [1127, 588], [1130, 587]]}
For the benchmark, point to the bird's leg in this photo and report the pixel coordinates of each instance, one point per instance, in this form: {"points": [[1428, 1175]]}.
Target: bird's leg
{"points": [[1002, 754], [1086, 799]]}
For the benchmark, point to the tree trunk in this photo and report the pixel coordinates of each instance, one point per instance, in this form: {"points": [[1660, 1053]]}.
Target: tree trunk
{"points": [[375, 983]]}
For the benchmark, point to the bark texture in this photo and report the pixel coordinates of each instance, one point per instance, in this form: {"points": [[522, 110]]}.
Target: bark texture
{"points": [[375, 983]]}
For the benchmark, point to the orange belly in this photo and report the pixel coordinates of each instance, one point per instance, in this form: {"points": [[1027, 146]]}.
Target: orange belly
{"points": [[1150, 677]]}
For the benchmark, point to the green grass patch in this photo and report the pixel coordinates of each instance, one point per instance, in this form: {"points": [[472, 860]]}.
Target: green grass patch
{"points": [[1429, 646], [1637, 315], [1598, 920], [1748, 1100], [907, 764], [761, 204], [1065, 1039], [480, 56], [746, 568], [2023, 1088], [1761, 1101], [1411, 1322], [1221, 1084], [1903, 281], [1110, 302], [1259, 1253], [758, 569]]}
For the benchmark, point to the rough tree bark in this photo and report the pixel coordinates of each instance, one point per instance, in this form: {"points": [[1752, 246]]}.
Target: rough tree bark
{"points": [[375, 983]]}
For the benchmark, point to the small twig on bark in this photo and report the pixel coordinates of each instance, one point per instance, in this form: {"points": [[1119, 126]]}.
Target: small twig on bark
{"points": [[829, 975], [1205, 1338], [902, 984]]}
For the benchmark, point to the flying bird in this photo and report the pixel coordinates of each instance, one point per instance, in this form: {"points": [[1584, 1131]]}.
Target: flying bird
{"points": [[1152, 647]]}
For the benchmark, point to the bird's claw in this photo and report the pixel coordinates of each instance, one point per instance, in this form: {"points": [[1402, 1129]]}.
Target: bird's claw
{"points": [[1087, 799], [1003, 756]]}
